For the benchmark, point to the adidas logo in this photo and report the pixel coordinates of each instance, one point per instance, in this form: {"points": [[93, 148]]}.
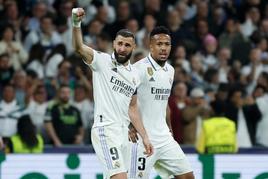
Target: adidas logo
{"points": [[151, 79], [114, 69]]}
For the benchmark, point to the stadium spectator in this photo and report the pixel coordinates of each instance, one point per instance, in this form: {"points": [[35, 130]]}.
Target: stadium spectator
{"points": [[39, 10], [156, 8], [193, 114], [251, 21], [263, 30], [10, 111], [217, 21], [179, 58], [177, 102], [6, 71], [37, 107], [200, 33], [64, 76], [102, 14], [62, 116], [262, 102], [263, 80], [12, 16], [123, 13], [223, 58], [209, 59], [149, 23], [197, 71], [21, 86], [211, 78], [181, 75], [26, 140], [218, 133], [231, 34], [245, 115], [251, 72], [46, 36], [36, 60], [103, 43], [94, 28], [132, 25], [86, 109], [53, 60], [17, 54]]}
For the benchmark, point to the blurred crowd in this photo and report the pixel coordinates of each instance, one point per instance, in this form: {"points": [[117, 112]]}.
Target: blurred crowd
{"points": [[219, 52]]}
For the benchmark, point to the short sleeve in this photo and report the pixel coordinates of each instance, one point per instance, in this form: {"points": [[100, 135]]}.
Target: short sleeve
{"points": [[172, 73], [99, 60], [138, 74]]}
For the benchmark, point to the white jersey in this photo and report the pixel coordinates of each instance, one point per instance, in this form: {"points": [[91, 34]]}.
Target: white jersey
{"points": [[113, 87], [153, 91]]}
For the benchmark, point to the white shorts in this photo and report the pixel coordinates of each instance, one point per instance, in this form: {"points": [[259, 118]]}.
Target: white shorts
{"points": [[168, 161], [111, 146]]}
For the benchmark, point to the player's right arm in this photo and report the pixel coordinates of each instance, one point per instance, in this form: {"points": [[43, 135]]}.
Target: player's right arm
{"points": [[83, 50]]}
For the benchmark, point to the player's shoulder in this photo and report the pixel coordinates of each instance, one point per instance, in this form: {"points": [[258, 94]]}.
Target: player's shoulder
{"points": [[170, 67], [102, 54], [142, 63]]}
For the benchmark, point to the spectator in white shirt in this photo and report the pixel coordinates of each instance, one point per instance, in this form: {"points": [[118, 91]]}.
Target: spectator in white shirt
{"points": [[46, 36], [251, 72], [86, 108], [14, 49], [39, 10], [9, 112], [37, 107]]}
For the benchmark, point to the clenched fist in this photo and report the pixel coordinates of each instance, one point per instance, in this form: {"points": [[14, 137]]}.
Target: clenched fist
{"points": [[77, 16]]}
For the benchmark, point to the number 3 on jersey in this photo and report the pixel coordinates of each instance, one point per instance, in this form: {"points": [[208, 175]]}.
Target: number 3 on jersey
{"points": [[142, 162]]}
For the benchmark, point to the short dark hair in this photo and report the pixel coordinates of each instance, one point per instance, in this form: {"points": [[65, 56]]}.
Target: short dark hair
{"points": [[159, 30], [125, 33]]}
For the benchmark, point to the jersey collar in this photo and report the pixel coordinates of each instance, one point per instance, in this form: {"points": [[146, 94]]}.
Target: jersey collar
{"points": [[127, 67], [155, 65]]}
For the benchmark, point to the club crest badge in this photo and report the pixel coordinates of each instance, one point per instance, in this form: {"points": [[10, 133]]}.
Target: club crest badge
{"points": [[140, 175], [170, 80], [116, 164], [134, 81], [150, 71]]}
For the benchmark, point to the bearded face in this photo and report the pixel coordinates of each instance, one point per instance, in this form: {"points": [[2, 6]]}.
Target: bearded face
{"points": [[123, 47], [120, 58]]}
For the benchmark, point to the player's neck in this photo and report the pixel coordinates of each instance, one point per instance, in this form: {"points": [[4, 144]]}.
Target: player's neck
{"points": [[124, 64], [159, 62]]}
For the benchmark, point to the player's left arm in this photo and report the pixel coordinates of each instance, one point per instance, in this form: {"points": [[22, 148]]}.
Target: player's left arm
{"points": [[168, 119], [168, 112], [135, 119]]}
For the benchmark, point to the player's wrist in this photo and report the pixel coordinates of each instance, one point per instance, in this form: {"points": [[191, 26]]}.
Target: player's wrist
{"points": [[76, 22]]}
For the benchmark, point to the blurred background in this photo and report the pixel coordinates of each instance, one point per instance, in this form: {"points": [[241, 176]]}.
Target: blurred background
{"points": [[219, 52]]}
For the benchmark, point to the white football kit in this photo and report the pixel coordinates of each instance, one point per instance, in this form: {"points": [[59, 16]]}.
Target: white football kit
{"points": [[153, 91], [113, 87]]}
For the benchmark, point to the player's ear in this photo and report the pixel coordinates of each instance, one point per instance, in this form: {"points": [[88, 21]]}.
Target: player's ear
{"points": [[151, 41], [114, 44], [134, 45]]}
